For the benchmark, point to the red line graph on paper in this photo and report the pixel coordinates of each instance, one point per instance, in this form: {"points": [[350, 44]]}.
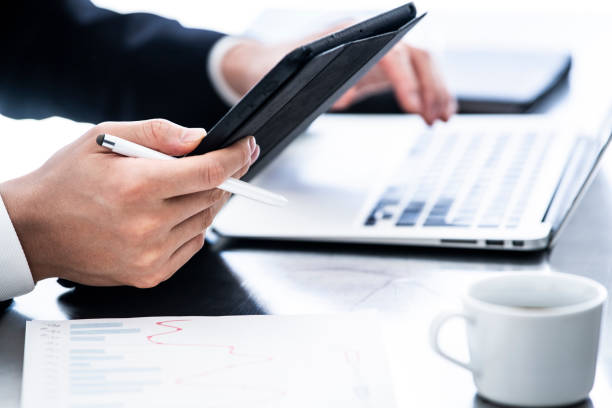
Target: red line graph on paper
{"points": [[353, 358], [238, 386], [230, 349], [176, 326], [360, 386]]}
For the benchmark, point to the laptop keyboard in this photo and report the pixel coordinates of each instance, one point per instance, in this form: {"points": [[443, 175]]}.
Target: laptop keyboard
{"points": [[457, 180]]}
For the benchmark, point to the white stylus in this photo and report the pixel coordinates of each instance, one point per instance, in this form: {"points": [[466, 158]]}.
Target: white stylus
{"points": [[232, 185]]}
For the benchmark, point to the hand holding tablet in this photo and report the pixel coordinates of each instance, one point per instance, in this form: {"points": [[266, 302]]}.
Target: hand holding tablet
{"points": [[306, 83], [231, 185]]}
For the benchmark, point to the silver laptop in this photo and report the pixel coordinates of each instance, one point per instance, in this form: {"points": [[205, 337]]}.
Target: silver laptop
{"points": [[506, 182]]}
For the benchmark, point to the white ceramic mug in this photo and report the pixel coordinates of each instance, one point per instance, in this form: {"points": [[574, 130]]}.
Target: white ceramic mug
{"points": [[533, 337]]}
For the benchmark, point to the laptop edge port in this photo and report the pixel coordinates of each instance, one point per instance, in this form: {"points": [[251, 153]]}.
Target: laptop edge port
{"points": [[495, 242]]}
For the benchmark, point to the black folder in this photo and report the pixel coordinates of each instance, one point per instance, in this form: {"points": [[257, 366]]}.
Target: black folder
{"points": [[306, 83]]}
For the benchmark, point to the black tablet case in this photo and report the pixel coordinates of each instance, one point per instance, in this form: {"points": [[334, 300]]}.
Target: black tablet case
{"points": [[306, 83]]}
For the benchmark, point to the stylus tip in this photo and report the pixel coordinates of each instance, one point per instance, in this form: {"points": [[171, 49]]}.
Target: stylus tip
{"points": [[100, 139]]}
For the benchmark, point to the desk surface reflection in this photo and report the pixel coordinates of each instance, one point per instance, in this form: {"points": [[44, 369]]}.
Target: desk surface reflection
{"points": [[408, 286]]}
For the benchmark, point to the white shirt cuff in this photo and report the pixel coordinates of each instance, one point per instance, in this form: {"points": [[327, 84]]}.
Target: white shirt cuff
{"points": [[215, 57], [15, 276]]}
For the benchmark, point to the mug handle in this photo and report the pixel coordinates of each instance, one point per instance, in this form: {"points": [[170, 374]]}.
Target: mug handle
{"points": [[434, 332]]}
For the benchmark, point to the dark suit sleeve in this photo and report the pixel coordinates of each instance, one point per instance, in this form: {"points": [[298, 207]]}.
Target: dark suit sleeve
{"points": [[72, 59], [5, 304]]}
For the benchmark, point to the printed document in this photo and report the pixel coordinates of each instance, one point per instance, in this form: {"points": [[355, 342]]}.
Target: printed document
{"points": [[235, 361]]}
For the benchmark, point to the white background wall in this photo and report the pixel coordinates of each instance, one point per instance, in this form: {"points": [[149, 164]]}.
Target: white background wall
{"points": [[234, 16], [511, 23]]}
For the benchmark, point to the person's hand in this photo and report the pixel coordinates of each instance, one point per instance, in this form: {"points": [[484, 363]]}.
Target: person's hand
{"points": [[94, 217], [410, 72]]}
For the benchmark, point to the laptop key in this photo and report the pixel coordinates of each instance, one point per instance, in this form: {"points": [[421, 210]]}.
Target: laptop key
{"points": [[438, 213], [370, 221], [411, 213], [407, 219], [382, 210], [435, 221]]}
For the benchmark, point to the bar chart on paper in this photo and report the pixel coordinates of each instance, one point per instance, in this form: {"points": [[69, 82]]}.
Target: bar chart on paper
{"points": [[235, 361]]}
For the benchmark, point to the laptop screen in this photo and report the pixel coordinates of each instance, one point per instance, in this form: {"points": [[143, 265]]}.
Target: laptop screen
{"points": [[579, 173]]}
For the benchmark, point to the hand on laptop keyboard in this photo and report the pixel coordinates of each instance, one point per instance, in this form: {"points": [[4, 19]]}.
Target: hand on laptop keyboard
{"points": [[409, 71]]}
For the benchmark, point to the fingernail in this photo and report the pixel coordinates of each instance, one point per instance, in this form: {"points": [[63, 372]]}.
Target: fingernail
{"points": [[255, 154], [252, 143], [192, 134]]}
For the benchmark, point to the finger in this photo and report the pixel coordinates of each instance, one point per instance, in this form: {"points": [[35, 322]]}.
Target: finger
{"points": [[422, 66], [218, 206], [443, 107], [182, 255], [449, 105], [254, 155], [198, 223], [198, 173], [445, 103], [403, 78], [374, 82], [241, 172], [433, 90], [345, 100], [371, 88], [157, 134], [191, 227], [184, 207], [451, 108], [191, 204], [196, 226]]}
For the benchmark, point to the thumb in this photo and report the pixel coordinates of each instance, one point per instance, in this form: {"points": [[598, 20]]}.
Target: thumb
{"points": [[157, 134]]}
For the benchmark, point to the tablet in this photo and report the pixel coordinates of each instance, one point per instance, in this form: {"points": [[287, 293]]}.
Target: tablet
{"points": [[306, 83]]}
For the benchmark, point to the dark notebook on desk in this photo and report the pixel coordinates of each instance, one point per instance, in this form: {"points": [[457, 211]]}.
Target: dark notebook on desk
{"points": [[504, 81], [490, 81]]}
